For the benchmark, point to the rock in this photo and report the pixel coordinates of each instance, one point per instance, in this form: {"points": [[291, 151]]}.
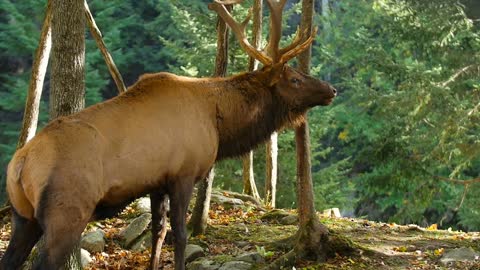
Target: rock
{"points": [[85, 257], [242, 244], [142, 205], [144, 242], [463, 254], [245, 198], [135, 229], [236, 265], [93, 241], [274, 215], [193, 252], [289, 220], [251, 257], [203, 265], [227, 202], [332, 212]]}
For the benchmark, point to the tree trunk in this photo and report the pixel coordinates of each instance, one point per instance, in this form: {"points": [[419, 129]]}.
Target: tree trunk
{"points": [[67, 91], [249, 186], [271, 173], [198, 222], [312, 234], [39, 69], [312, 241]]}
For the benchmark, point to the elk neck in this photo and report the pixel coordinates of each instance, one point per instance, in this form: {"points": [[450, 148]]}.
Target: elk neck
{"points": [[248, 111]]}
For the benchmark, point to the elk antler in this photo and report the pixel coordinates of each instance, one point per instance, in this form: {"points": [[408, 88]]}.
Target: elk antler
{"points": [[290, 52], [239, 30], [275, 30], [274, 55]]}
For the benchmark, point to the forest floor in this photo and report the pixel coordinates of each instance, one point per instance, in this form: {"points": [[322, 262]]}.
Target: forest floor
{"points": [[239, 230]]}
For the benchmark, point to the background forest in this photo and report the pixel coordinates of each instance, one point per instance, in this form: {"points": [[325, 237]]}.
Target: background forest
{"points": [[404, 128]]}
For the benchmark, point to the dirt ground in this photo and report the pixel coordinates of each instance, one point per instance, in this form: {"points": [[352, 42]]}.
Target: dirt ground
{"points": [[236, 231]]}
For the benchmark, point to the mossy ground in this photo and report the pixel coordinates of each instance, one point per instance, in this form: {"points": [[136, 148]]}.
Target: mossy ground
{"points": [[236, 231]]}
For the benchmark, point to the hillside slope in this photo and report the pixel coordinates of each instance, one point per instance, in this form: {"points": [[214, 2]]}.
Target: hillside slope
{"points": [[242, 231]]}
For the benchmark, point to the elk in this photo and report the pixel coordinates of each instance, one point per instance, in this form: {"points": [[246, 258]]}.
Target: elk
{"points": [[160, 137]]}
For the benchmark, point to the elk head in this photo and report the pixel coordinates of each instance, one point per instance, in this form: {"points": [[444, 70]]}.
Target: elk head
{"points": [[296, 88]]}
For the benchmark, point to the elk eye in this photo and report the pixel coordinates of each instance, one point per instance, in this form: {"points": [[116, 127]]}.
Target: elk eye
{"points": [[295, 81]]}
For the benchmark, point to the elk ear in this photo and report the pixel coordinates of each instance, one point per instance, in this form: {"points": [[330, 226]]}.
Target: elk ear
{"points": [[275, 72]]}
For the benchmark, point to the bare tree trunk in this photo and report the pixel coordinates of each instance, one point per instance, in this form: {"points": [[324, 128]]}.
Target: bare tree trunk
{"points": [[326, 27], [97, 35], [312, 238], [198, 222], [67, 91], [249, 186], [312, 234], [270, 163], [271, 173], [39, 69], [199, 219]]}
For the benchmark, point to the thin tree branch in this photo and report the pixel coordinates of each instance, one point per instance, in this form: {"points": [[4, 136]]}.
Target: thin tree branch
{"points": [[39, 69], [456, 75], [465, 189], [97, 35], [457, 181]]}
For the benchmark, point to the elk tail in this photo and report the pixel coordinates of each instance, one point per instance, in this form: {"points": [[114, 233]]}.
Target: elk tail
{"points": [[16, 193]]}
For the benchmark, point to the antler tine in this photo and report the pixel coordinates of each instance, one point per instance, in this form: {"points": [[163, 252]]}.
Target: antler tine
{"points": [[294, 51], [247, 19], [275, 31], [239, 30], [295, 42]]}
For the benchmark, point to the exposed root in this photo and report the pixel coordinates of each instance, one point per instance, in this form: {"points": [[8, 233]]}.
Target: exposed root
{"points": [[286, 260], [314, 243], [339, 244], [284, 244]]}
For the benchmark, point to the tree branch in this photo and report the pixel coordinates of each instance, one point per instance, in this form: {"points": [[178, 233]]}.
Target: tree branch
{"points": [[39, 69], [456, 75], [457, 181], [97, 35]]}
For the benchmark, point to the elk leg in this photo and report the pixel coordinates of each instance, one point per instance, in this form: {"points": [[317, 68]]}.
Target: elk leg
{"points": [[25, 233], [63, 223], [179, 193], [158, 202]]}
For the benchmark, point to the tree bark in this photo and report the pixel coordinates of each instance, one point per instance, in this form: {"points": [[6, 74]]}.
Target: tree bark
{"points": [[312, 241], [271, 173], [199, 219], [67, 91], [39, 69], [310, 229], [272, 145], [249, 186], [198, 222]]}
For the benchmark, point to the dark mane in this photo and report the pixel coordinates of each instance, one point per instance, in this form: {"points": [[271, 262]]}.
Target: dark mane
{"points": [[274, 114]]}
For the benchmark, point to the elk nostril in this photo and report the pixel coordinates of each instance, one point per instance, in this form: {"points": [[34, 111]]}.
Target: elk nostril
{"points": [[334, 90]]}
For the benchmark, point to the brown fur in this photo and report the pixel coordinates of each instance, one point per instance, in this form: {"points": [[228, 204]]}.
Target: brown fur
{"points": [[163, 134]]}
